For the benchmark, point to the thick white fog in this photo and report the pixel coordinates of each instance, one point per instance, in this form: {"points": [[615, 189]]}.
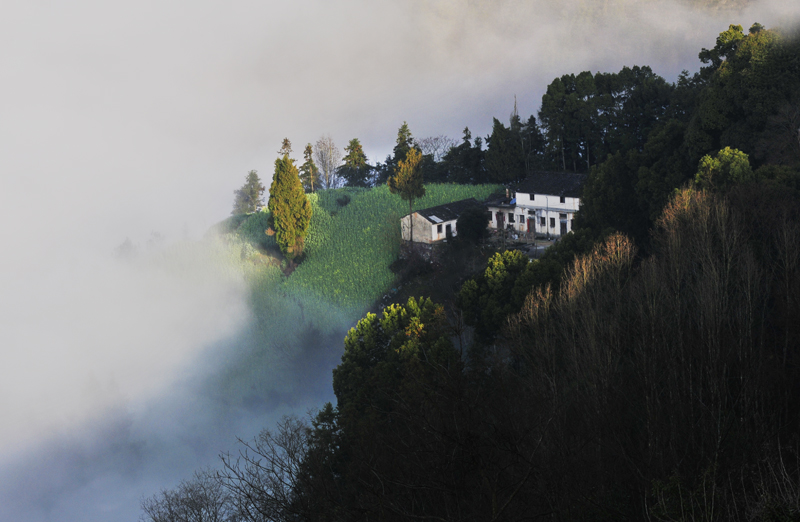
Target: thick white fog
{"points": [[139, 119]]}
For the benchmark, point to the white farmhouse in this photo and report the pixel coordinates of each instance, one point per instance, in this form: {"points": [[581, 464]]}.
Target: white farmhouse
{"points": [[544, 204], [435, 223]]}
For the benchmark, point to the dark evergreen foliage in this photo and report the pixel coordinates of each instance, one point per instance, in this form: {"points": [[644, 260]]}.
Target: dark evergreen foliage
{"points": [[472, 225], [309, 173], [465, 162], [248, 198], [505, 162], [356, 172]]}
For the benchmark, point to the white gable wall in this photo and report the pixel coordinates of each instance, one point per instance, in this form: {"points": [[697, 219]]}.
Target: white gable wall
{"points": [[424, 230], [547, 201], [541, 213]]}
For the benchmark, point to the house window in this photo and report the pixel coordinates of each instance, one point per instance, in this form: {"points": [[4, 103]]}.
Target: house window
{"points": [[562, 216], [543, 221], [572, 224], [438, 229], [563, 199], [552, 222], [511, 217]]}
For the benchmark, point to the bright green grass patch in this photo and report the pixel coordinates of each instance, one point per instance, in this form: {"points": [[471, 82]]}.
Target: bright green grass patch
{"points": [[253, 230], [348, 255], [347, 252]]}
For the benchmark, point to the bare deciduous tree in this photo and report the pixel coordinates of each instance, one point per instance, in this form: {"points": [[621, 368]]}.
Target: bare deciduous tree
{"points": [[264, 477], [328, 158], [437, 146], [201, 499]]}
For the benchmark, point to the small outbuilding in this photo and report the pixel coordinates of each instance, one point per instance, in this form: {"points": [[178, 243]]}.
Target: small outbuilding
{"points": [[435, 223]]}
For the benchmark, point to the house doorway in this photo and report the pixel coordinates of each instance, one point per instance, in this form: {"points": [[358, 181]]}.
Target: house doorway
{"points": [[448, 230], [563, 228]]}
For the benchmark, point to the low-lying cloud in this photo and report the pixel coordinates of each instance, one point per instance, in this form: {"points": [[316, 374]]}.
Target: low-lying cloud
{"points": [[83, 334]]}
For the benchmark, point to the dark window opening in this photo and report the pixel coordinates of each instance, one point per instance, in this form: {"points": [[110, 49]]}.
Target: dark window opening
{"points": [[552, 222], [438, 229], [562, 216], [543, 221], [511, 217], [563, 199]]}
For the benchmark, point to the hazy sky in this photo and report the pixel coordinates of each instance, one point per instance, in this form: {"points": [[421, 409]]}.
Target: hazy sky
{"points": [[118, 119]]}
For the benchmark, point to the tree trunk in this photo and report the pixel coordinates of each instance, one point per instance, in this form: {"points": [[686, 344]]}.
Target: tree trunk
{"points": [[587, 156], [411, 220]]}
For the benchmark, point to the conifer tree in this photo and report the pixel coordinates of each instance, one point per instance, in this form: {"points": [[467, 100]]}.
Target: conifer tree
{"points": [[248, 198], [405, 142], [504, 160], [290, 211], [407, 181], [355, 170], [309, 173], [286, 147]]}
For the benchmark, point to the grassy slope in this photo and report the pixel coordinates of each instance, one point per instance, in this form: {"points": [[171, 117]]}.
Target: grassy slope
{"points": [[348, 254]]}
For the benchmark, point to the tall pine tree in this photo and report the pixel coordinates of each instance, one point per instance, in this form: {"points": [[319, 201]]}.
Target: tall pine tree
{"points": [[405, 142], [290, 211], [248, 198], [309, 173], [355, 170]]}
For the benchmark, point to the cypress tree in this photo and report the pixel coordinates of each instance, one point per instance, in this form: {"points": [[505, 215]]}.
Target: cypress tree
{"points": [[290, 211]]}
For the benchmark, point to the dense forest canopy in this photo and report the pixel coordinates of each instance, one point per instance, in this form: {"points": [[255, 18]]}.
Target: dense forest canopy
{"points": [[646, 367]]}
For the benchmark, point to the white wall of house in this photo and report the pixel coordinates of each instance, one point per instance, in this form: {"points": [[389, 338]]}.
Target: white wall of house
{"points": [[546, 215], [515, 216], [552, 222]]}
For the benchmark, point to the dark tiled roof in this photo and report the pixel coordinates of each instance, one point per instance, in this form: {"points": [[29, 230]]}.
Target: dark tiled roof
{"points": [[500, 203], [553, 184], [448, 211]]}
